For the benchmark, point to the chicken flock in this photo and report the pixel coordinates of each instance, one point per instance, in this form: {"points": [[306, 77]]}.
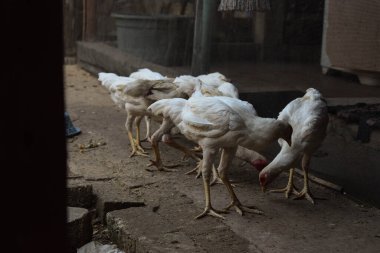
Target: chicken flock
{"points": [[207, 111]]}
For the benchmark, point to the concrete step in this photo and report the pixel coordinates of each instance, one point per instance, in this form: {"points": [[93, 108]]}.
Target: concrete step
{"points": [[167, 224], [141, 230], [79, 194], [79, 227], [96, 57], [110, 197]]}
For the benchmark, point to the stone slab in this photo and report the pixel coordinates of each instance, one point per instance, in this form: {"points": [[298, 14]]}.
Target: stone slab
{"points": [[79, 227]]}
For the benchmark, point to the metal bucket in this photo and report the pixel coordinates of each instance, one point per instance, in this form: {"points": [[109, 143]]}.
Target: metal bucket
{"points": [[162, 39]]}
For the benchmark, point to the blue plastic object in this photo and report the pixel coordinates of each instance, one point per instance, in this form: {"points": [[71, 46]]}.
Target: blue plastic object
{"points": [[71, 130]]}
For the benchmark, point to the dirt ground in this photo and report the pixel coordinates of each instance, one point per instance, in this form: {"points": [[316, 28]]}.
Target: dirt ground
{"points": [[334, 224]]}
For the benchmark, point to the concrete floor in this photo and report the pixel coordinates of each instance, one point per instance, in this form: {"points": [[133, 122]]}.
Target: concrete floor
{"points": [[256, 77]]}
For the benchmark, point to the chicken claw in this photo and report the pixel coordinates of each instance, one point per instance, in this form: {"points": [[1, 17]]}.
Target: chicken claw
{"points": [[138, 150], [289, 189], [190, 154], [304, 194], [240, 209], [197, 169], [212, 212]]}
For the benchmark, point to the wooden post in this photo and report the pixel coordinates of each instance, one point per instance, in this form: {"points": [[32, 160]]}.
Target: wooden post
{"points": [[89, 20], [259, 32], [73, 27], [196, 58], [204, 17]]}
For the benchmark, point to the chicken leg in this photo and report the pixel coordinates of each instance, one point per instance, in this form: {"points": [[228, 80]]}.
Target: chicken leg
{"points": [[305, 192], [188, 152], [225, 162], [289, 188], [158, 162], [197, 169], [148, 129], [135, 144], [138, 131], [215, 175], [163, 130], [163, 133], [208, 158]]}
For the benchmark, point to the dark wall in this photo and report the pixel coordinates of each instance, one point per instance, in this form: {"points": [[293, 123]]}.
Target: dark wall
{"points": [[33, 149], [294, 31]]}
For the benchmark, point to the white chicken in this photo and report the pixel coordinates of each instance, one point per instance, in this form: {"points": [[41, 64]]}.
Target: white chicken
{"points": [[116, 86], [256, 160], [147, 74], [135, 95], [308, 117], [220, 123], [218, 88], [214, 79]]}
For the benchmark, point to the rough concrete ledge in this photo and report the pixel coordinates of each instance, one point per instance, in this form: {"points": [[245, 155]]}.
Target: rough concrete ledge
{"points": [[79, 227], [110, 197], [79, 194], [167, 224], [96, 57], [138, 230]]}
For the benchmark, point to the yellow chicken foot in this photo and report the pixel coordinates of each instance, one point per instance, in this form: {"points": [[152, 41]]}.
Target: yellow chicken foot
{"points": [[139, 146], [197, 169], [240, 209], [137, 140], [212, 212], [289, 189], [136, 150], [305, 192], [209, 210]]}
